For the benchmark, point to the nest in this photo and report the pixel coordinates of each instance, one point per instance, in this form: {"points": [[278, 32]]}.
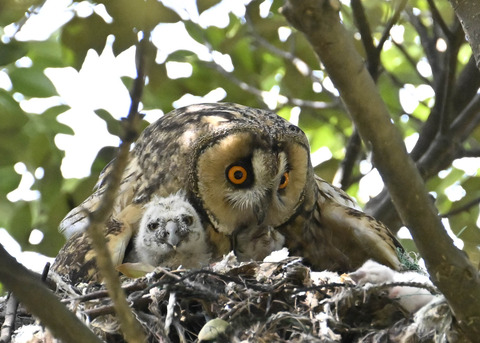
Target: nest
{"points": [[259, 302]]}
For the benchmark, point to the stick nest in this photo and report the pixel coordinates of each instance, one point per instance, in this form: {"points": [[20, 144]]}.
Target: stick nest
{"points": [[258, 302]]}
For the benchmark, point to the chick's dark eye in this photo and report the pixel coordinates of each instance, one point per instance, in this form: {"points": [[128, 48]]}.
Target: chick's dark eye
{"points": [[152, 226], [188, 220]]}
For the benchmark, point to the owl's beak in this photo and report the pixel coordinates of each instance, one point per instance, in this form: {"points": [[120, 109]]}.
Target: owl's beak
{"points": [[260, 213], [173, 237]]}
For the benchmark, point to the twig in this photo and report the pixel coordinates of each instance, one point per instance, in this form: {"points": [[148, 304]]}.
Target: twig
{"points": [[437, 18], [461, 209], [9, 323], [104, 293], [130, 326], [373, 55], [412, 62], [46, 269], [352, 151], [261, 93], [388, 285], [301, 66], [428, 44], [393, 20]]}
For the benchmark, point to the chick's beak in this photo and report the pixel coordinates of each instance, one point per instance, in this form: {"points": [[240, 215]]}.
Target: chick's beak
{"points": [[173, 238]]}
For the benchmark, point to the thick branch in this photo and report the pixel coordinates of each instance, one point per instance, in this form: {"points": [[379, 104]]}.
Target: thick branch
{"points": [[449, 268], [468, 11], [466, 86], [31, 291]]}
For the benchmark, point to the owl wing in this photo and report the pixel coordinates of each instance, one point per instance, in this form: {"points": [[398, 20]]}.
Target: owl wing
{"points": [[76, 260], [77, 219], [357, 235], [330, 232]]}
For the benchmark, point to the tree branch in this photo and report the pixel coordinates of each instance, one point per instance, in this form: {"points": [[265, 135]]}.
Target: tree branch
{"points": [[261, 93], [461, 209], [412, 62], [437, 18], [32, 292], [130, 327], [428, 44], [467, 12], [466, 85], [352, 151], [449, 268], [373, 56], [393, 20], [301, 66]]}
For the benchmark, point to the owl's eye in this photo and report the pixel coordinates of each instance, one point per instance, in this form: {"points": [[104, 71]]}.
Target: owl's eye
{"points": [[188, 220], [152, 226], [284, 181], [237, 174]]}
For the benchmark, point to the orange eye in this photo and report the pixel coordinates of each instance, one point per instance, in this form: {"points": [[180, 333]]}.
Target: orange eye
{"points": [[284, 180], [237, 175]]}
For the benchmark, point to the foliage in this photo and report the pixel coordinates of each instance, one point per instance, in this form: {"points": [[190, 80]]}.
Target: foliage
{"points": [[423, 69]]}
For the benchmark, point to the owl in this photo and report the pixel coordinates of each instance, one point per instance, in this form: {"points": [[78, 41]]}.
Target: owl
{"points": [[244, 170], [170, 234]]}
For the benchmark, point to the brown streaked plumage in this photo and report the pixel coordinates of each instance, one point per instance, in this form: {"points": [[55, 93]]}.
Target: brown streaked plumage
{"points": [[245, 168]]}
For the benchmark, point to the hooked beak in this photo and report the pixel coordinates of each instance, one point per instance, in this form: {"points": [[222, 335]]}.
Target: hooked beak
{"points": [[261, 207], [259, 212]]}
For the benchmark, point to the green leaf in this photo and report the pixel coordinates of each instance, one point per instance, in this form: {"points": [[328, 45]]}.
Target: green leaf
{"points": [[113, 125], [10, 179], [140, 14], [48, 53], [11, 52], [195, 31], [181, 55], [14, 10], [20, 224], [160, 13], [12, 116], [39, 149], [32, 82], [82, 34], [204, 5]]}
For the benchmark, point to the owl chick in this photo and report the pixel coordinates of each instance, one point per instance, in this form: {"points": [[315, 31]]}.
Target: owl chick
{"points": [[170, 234]]}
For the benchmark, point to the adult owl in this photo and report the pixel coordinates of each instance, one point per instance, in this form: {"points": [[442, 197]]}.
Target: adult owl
{"points": [[244, 169]]}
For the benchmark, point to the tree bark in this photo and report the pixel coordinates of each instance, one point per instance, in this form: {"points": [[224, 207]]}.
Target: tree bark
{"points": [[468, 12], [449, 267]]}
